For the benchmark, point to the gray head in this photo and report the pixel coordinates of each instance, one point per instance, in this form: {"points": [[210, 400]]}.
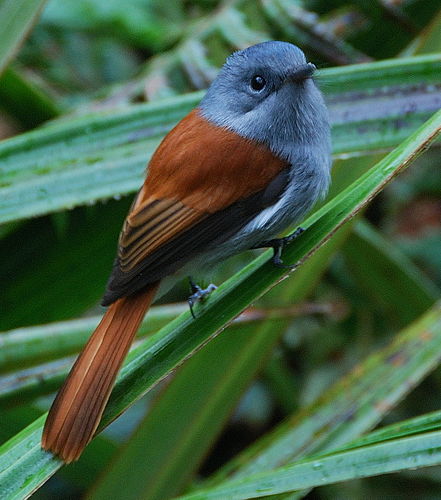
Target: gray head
{"points": [[266, 93]]}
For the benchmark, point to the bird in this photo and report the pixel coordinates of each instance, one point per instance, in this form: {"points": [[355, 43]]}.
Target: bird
{"points": [[244, 165]]}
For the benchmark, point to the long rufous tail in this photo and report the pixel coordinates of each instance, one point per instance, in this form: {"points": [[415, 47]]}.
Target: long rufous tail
{"points": [[79, 405]]}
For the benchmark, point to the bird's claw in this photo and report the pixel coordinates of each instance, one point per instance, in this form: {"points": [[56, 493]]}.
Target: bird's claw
{"points": [[278, 245], [198, 294]]}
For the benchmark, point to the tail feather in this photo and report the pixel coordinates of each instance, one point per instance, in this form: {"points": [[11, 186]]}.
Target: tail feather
{"points": [[79, 405]]}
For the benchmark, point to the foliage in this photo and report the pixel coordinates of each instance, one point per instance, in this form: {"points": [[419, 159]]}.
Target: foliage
{"points": [[286, 398]]}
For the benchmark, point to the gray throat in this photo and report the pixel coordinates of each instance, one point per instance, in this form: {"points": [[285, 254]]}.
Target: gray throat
{"points": [[297, 131]]}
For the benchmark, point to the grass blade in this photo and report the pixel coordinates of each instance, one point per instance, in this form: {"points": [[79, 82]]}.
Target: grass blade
{"points": [[17, 18], [99, 156], [163, 351], [353, 405], [396, 455], [179, 430], [394, 282], [28, 346], [168, 446], [23, 100], [44, 364]]}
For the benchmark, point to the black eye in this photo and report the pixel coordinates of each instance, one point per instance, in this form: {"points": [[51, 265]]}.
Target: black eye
{"points": [[258, 83]]}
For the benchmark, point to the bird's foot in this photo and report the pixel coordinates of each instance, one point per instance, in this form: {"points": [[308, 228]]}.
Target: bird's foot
{"points": [[198, 294], [278, 244]]}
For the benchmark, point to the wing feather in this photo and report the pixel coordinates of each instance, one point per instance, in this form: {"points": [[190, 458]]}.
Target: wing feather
{"points": [[145, 218], [204, 183], [149, 237]]}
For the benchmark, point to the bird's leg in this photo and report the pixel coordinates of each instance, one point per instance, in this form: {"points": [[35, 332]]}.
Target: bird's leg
{"points": [[278, 244], [198, 294]]}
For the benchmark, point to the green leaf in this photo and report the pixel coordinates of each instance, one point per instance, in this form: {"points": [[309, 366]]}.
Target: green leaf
{"points": [[29, 346], [82, 473], [146, 25], [180, 428], [429, 40], [60, 254], [393, 456], [24, 101], [17, 18], [301, 26], [395, 283], [353, 405], [159, 354], [423, 423], [166, 449], [100, 156]]}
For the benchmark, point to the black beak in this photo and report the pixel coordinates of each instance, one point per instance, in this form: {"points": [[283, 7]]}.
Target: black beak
{"points": [[301, 73]]}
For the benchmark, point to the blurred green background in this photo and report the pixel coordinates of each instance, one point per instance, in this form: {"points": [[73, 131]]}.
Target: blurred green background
{"points": [[86, 60]]}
